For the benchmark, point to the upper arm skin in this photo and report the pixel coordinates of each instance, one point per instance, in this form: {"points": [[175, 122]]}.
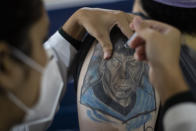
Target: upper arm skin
{"points": [[115, 94]]}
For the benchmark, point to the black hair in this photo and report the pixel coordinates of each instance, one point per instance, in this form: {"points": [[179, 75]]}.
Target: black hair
{"points": [[181, 18], [17, 16]]}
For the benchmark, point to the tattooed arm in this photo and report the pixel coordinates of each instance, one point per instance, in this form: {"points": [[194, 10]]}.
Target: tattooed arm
{"points": [[115, 94]]}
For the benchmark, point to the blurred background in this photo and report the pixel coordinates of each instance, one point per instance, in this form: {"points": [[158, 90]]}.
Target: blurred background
{"points": [[59, 11]]}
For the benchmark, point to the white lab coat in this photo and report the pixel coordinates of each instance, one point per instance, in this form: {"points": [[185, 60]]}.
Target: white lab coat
{"points": [[181, 117], [63, 51]]}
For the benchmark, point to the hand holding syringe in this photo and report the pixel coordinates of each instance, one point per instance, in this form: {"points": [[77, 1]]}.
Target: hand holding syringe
{"points": [[159, 44], [155, 42]]}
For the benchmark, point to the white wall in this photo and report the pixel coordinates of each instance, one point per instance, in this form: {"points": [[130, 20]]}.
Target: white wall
{"points": [[55, 4]]}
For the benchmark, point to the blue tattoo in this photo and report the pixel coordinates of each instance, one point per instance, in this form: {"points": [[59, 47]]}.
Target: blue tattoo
{"points": [[95, 116], [118, 87], [90, 115]]}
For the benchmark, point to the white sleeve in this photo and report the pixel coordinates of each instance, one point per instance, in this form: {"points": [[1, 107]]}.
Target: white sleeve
{"points": [[181, 117], [63, 51]]}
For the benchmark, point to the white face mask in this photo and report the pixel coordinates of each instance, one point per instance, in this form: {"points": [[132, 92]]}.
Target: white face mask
{"points": [[40, 116]]}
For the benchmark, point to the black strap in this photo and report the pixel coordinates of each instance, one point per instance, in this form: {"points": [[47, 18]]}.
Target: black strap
{"points": [[75, 43], [180, 98], [80, 57], [141, 14]]}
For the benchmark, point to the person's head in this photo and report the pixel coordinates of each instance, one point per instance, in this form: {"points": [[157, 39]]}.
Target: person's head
{"points": [[180, 17], [121, 75], [24, 26]]}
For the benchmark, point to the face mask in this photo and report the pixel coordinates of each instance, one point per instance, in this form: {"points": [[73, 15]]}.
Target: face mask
{"points": [[40, 116]]}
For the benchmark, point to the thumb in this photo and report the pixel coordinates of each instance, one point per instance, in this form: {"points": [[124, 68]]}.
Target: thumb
{"points": [[124, 27]]}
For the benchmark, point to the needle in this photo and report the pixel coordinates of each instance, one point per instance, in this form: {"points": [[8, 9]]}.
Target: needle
{"points": [[126, 45]]}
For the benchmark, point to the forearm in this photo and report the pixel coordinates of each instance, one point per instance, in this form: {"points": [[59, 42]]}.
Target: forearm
{"points": [[169, 81]]}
